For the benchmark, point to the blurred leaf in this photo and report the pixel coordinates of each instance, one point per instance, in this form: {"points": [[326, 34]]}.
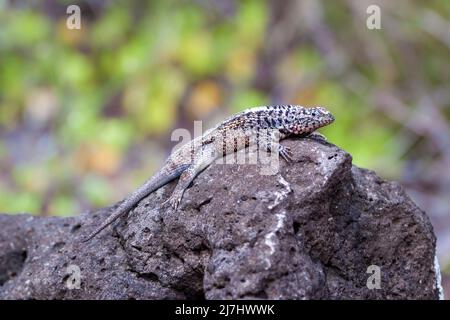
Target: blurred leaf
{"points": [[11, 78], [133, 56], [111, 29], [19, 202], [71, 37], [30, 178], [251, 21], [63, 206], [241, 65], [96, 190], [25, 28], [196, 53], [115, 133], [81, 122], [246, 99], [205, 97], [75, 70], [97, 157], [153, 102]]}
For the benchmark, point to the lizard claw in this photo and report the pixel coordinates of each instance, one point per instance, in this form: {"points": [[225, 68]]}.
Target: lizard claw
{"points": [[173, 200], [285, 153]]}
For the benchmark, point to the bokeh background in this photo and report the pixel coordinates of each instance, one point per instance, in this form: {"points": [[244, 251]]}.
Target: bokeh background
{"points": [[86, 115]]}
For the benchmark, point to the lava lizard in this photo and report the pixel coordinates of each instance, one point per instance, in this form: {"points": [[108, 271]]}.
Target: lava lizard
{"points": [[260, 125]]}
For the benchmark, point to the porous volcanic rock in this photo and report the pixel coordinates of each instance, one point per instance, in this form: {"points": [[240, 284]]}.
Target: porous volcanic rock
{"points": [[314, 230]]}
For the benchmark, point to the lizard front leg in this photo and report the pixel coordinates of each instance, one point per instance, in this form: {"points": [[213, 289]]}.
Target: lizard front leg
{"points": [[202, 159], [271, 140], [285, 153]]}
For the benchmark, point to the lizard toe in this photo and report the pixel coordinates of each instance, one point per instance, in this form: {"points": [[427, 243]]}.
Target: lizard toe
{"points": [[286, 154], [174, 201]]}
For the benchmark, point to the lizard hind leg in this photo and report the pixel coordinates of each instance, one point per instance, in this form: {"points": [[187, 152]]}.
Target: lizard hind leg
{"points": [[201, 160]]}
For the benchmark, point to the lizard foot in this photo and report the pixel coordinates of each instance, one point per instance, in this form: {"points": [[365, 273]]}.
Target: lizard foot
{"points": [[174, 201], [285, 153]]}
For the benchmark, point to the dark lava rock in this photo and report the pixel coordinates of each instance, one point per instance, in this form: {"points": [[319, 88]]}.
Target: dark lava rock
{"points": [[311, 231]]}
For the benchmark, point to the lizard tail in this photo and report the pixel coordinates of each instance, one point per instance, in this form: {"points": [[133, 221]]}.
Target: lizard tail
{"points": [[154, 183]]}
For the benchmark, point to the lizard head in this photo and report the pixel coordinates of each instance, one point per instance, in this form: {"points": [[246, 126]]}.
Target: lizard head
{"points": [[303, 120]]}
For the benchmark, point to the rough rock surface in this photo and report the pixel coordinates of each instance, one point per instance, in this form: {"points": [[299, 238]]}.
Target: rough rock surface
{"points": [[309, 232]]}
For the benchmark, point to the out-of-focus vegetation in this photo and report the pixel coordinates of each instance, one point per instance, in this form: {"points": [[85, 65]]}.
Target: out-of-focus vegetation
{"points": [[86, 115]]}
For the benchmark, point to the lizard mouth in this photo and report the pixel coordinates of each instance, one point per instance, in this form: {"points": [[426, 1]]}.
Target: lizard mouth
{"points": [[329, 120], [326, 122]]}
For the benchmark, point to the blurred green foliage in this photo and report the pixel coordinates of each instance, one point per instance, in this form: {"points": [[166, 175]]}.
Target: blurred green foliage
{"points": [[86, 115]]}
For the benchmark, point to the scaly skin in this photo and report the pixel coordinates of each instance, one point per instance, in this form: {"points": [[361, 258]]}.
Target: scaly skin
{"points": [[262, 126]]}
